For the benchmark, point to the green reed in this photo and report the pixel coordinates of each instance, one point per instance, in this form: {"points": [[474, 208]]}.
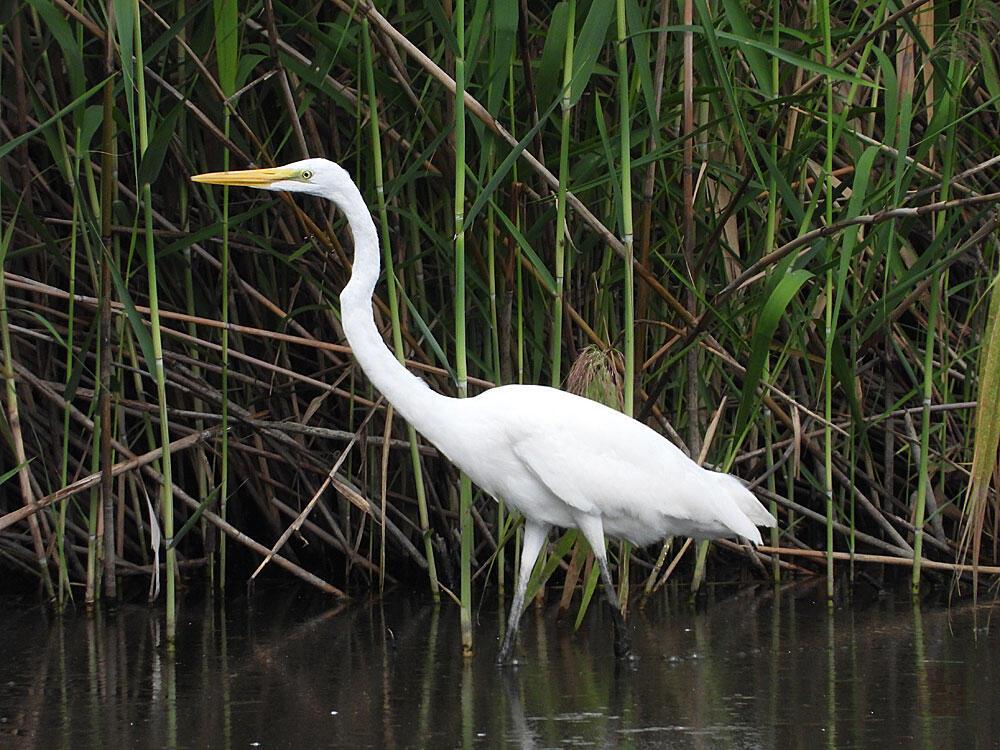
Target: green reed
{"points": [[397, 337], [461, 360]]}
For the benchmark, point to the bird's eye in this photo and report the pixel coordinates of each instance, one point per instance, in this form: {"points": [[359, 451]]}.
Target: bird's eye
{"points": [[306, 174]]}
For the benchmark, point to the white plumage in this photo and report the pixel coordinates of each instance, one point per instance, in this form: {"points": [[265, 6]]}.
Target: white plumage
{"points": [[560, 459]]}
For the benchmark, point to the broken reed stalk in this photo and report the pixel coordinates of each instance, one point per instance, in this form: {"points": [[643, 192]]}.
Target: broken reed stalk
{"points": [[881, 560]]}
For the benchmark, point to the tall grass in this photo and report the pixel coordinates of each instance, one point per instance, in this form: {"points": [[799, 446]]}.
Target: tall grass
{"points": [[466, 532], [811, 275]]}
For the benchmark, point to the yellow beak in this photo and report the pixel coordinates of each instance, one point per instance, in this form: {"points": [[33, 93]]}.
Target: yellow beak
{"points": [[246, 177]]}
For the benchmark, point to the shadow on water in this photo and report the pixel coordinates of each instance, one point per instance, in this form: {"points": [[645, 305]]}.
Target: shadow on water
{"points": [[750, 670]]}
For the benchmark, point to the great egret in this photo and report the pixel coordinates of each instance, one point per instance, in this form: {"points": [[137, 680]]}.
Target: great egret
{"points": [[560, 459]]}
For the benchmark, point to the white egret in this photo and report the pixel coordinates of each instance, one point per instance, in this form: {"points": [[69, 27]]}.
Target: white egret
{"points": [[559, 459]]}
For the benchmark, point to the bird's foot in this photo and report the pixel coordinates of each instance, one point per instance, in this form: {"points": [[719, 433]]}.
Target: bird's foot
{"points": [[505, 657], [628, 657], [623, 649], [505, 660]]}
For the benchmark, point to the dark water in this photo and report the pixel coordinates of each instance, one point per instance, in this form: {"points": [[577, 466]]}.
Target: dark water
{"points": [[757, 670]]}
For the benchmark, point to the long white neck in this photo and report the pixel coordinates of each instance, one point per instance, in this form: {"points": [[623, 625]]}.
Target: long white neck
{"points": [[408, 394]]}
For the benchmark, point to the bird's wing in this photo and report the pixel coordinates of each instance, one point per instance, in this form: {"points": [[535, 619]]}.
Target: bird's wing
{"points": [[602, 463]]}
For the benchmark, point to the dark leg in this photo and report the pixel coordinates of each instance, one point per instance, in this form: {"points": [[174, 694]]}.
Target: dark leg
{"points": [[623, 643], [593, 531], [534, 538]]}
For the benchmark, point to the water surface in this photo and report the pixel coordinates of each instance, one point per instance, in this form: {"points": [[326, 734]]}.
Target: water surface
{"points": [[286, 669]]}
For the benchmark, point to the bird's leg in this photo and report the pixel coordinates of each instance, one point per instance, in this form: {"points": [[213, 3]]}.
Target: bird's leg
{"points": [[531, 545], [623, 643], [593, 531]]}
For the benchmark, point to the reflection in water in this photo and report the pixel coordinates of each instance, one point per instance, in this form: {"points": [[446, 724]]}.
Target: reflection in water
{"points": [[750, 670]]}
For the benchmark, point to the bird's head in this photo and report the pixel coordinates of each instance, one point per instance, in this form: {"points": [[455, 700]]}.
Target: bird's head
{"points": [[312, 176]]}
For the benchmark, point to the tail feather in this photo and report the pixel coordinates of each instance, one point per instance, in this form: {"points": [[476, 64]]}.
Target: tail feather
{"points": [[747, 502]]}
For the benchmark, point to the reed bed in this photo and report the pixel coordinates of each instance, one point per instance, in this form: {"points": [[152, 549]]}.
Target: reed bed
{"points": [[769, 230]]}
